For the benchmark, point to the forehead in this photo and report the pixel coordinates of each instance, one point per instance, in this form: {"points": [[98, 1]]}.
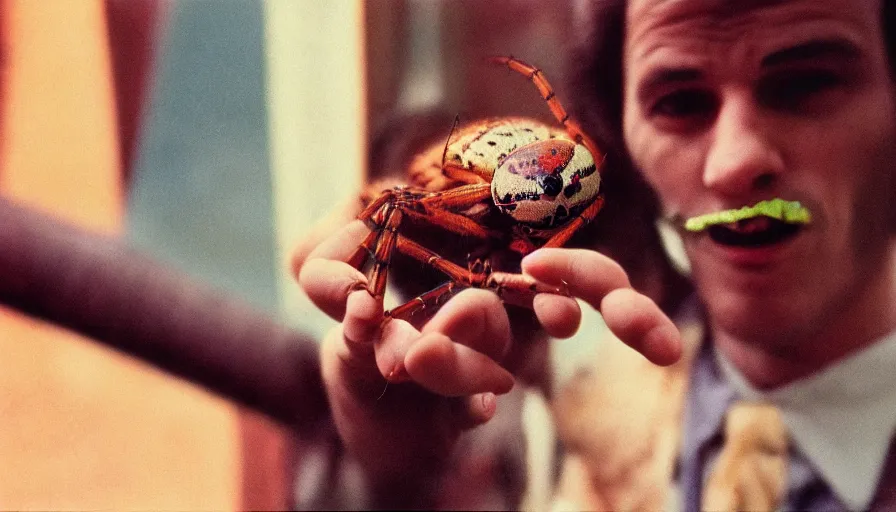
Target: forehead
{"points": [[660, 29]]}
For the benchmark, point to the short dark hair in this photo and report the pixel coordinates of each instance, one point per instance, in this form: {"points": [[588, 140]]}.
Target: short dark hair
{"points": [[597, 81]]}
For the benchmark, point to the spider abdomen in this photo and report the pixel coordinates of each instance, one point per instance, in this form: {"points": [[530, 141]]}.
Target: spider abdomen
{"points": [[546, 183], [483, 145]]}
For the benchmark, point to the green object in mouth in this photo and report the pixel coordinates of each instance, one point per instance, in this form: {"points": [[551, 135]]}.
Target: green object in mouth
{"points": [[791, 212]]}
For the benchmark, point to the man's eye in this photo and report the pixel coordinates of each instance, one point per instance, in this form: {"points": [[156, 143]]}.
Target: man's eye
{"points": [[796, 90], [685, 104]]}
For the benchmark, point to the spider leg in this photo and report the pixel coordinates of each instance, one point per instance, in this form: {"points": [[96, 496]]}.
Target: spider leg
{"points": [[573, 128], [460, 172], [374, 214], [386, 213], [435, 297], [387, 197], [454, 271], [437, 209], [560, 238], [517, 289], [460, 197], [364, 250], [383, 253]]}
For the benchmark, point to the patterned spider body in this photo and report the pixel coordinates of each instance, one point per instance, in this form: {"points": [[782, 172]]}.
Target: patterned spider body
{"points": [[545, 184], [539, 177], [512, 182]]}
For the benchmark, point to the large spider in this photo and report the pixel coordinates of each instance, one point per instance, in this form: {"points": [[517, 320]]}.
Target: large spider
{"points": [[511, 181]]}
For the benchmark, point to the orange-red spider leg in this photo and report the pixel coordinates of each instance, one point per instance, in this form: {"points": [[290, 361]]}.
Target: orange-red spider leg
{"points": [[381, 208], [519, 289], [364, 250], [386, 214], [459, 278], [435, 297], [382, 255], [367, 213], [459, 172], [437, 206], [561, 237], [452, 270], [453, 222], [458, 198], [573, 128], [515, 289]]}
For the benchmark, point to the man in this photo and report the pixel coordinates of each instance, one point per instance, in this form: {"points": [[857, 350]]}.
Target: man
{"points": [[770, 127]]}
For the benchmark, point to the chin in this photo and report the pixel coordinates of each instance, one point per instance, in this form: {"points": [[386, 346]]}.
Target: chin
{"points": [[756, 317]]}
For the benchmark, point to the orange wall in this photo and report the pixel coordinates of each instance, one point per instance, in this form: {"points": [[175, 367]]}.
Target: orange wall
{"points": [[82, 427]]}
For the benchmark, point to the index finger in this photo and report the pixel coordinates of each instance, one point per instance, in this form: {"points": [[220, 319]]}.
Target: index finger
{"points": [[586, 274], [325, 278]]}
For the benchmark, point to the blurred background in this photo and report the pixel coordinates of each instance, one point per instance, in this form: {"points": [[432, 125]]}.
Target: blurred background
{"points": [[212, 135]]}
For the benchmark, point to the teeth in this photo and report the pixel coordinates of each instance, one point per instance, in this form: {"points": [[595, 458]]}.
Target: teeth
{"points": [[753, 232], [747, 226]]}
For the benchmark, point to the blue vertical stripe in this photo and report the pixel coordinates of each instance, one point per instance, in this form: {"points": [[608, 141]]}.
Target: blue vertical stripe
{"points": [[201, 196]]}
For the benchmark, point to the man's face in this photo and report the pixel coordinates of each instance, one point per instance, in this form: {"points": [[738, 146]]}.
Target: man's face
{"points": [[730, 103]]}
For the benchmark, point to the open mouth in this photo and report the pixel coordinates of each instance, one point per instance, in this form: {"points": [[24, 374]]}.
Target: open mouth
{"points": [[764, 223], [755, 232]]}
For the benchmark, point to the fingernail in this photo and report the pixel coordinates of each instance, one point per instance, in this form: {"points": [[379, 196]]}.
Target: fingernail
{"points": [[398, 374], [489, 402], [563, 289]]}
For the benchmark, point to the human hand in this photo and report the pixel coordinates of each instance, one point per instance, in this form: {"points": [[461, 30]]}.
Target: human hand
{"points": [[453, 360], [443, 377], [600, 282]]}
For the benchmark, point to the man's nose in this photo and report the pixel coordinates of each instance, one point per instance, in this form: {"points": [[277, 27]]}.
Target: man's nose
{"points": [[742, 159]]}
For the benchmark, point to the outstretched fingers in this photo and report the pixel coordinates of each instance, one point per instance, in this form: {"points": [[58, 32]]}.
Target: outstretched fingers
{"points": [[603, 284], [584, 273], [640, 323]]}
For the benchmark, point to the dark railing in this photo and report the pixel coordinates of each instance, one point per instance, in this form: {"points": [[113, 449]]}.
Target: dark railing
{"points": [[100, 287]]}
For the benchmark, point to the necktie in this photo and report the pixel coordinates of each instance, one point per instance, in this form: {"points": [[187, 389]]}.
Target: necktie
{"points": [[751, 471]]}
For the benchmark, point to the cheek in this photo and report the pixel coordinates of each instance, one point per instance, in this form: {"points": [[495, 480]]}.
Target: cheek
{"points": [[853, 159], [671, 165], [873, 193]]}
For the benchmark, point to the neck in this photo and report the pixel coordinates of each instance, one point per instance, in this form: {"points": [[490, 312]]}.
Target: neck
{"points": [[860, 323]]}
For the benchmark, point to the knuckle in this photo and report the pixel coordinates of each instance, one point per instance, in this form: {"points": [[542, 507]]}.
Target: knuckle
{"points": [[589, 264], [616, 274]]}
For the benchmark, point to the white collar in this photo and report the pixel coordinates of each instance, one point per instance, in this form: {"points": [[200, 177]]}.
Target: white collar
{"points": [[842, 418]]}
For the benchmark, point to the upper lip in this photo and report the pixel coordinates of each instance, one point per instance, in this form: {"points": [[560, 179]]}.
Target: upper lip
{"points": [[785, 210]]}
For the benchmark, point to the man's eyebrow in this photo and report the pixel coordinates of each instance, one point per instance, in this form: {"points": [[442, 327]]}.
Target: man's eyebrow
{"points": [[824, 48]]}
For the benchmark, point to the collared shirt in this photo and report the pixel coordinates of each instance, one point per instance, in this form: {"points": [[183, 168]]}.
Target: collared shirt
{"points": [[841, 421]]}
